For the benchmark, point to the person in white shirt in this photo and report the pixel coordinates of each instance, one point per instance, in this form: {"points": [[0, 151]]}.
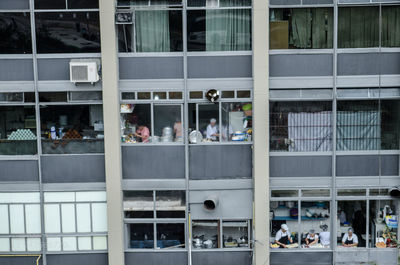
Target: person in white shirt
{"points": [[312, 238], [350, 239], [282, 237], [325, 236], [212, 130]]}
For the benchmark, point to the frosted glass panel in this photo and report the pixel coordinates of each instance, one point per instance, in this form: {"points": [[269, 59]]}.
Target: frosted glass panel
{"points": [[99, 217], [18, 244], [54, 244], [32, 217], [69, 243], [85, 243], [91, 196], [18, 197], [4, 228], [17, 219], [52, 218], [33, 244], [4, 244], [68, 218], [83, 217], [99, 243], [59, 196]]}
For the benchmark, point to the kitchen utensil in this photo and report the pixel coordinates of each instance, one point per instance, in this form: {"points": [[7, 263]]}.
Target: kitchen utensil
{"points": [[195, 137]]}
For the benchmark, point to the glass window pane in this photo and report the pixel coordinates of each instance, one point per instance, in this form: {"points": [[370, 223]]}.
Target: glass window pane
{"points": [[219, 30], [228, 94], [233, 3], [352, 192], [243, 94], [358, 27], [378, 192], [99, 217], [383, 223], [18, 131], [83, 217], [390, 26], [235, 234], [284, 224], [15, 33], [128, 95], [4, 224], [18, 244], [170, 204], [135, 123], [209, 122], [69, 243], [301, 28], [301, 126], [17, 221], [11, 97], [159, 95], [390, 120], [168, 125], [352, 219], [205, 234], [99, 243], [54, 244], [34, 244], [52, 218], [315, 193], [144, 95], [141, 235], [32, 217], [315, 222], [91, 196], [67, 32], [237, 121], [19, 197], [284, 193], [50, 4], [84, 243], [196, 94], [155, 31], [4, 244], [170, 236], [175, 95], [76, 129], [78, 4], [53, 97], [85, 95], [138, 204], [358, 125], [59, 196], [68, 218]]}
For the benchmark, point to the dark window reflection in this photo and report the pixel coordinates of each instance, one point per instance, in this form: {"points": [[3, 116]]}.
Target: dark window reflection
{"points": [[153, 31], [50, 4], [83, 4], [67, 32], [170, 235], [15, 33], [141, 235]]}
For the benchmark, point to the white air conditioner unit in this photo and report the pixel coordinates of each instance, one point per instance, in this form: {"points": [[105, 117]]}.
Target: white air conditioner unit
{"points": [[84, 71]]}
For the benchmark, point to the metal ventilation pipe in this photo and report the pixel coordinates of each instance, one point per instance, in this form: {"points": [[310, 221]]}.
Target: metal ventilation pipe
{"points": [[395, 191], [211, 202]]}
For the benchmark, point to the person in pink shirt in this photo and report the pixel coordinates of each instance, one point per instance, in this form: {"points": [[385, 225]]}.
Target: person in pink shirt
{"points": [[143, 133]]}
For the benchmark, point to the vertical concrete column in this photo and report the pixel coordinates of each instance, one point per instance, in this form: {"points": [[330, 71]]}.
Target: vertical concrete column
{"points": [[261, 132], [112, 142]]}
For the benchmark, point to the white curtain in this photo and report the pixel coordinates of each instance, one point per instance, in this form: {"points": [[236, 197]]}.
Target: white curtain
{"points": [[152, 31], [310, 131]]}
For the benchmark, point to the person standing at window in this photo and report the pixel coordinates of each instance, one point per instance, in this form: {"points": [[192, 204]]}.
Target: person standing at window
{"points": [[325, 236], [212, 130], [282, 237], [143, 133]]}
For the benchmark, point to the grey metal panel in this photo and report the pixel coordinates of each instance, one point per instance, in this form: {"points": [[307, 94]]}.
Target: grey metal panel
{"points": [[358, 64], [160, 258], [16, 70], [385, 1], [232, 204], [285, 2], [222, 258], [219, 66], [19, 170], [357, 165], [300, 166], [77, 259], [19, 260], [387, 257], [390, 63], [14, 4], [390, 165], [320, 2], [300, 65], [315, 258], [153, 162], [150, 67], [73, 168], [220, 161], [53, 69], [353, 1]]}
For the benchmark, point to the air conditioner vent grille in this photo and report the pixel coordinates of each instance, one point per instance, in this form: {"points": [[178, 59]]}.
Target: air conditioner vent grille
{"points": [[79, 72]]}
